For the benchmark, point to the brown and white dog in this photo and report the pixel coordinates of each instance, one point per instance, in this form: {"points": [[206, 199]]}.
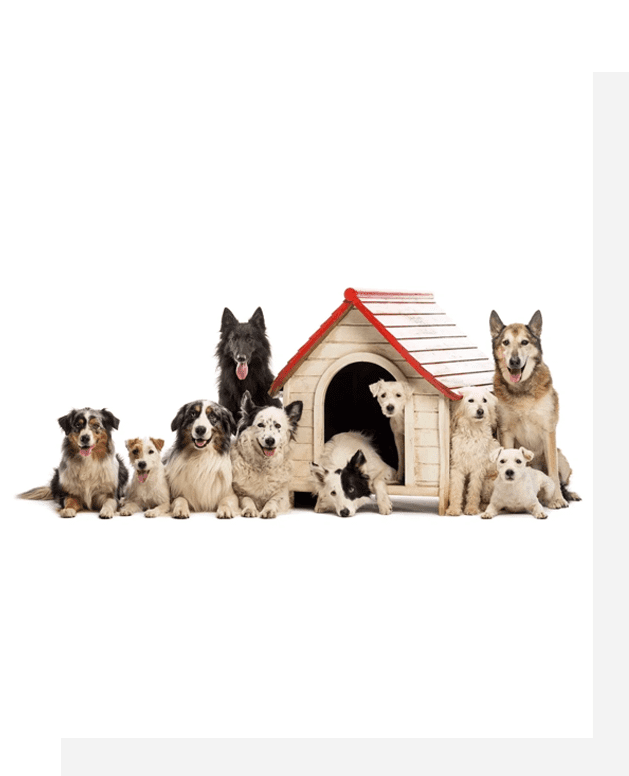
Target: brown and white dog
{"points": [[91, 476], [261, 457], [198, 465], [528, 404], [148, 487]]}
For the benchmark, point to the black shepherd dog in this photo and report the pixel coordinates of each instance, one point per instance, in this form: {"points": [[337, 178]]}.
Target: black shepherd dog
{"points": [[243, 355]]}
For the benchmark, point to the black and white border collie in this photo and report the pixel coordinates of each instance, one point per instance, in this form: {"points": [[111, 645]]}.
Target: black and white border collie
{"points": [[198, 465], [91, 476], [349, 472]]}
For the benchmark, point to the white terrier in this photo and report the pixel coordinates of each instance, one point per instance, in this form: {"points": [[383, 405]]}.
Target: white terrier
{"points": [[518, 486], [392, 397]]}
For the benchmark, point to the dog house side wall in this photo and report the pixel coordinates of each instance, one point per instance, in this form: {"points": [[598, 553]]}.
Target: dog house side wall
{"points": [[354, 335]]}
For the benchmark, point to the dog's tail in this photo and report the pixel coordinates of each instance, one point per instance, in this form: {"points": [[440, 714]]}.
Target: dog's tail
{"points": [[37, 494], [569, 495]]}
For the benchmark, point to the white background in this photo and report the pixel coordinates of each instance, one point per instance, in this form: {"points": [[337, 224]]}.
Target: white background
{"points": [[162, 161]]}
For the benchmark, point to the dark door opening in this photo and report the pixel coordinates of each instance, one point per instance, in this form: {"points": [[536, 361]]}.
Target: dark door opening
{"points": [[350, 406]]}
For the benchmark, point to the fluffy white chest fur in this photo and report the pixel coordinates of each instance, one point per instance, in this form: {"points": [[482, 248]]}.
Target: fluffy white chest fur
{"points": [[257, 476], [89, 478], [202, 477]]}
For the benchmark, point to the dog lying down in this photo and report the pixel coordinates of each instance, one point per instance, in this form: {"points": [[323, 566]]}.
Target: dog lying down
{"points": [[349, 472], [518, 486]]}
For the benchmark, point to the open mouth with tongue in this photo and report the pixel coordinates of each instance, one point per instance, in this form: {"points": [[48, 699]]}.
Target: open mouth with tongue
{"points": [[515, 375], [242, 370], [200, 443], [268, 451], [85, 451], [143, 476]]}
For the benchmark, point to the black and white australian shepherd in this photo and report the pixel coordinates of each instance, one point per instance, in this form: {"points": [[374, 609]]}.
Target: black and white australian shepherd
{"points": [[148, 486], [348, 473], [244, 357], [198, 465], [261, 457], [91, 476]]}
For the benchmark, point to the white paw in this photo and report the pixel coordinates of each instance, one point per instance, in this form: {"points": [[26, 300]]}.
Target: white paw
{"points": [[67, 512]]}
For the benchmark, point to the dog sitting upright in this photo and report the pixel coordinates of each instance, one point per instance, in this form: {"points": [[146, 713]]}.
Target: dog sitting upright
{"points": [[261, 457], [528, 404], [91, 476], [198, 465], [244, 356], [148, 487], [392, 397]]}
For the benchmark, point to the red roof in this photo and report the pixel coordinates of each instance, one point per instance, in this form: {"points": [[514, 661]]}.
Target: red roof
{"points": [[419, 331]]}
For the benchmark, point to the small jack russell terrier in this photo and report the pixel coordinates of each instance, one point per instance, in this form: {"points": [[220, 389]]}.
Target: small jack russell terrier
{"points": [[518, 486], [148, 487]]}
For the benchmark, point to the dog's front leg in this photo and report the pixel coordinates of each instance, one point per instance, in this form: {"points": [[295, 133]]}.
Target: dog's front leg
{"points": [[129, 508], [181, 508], [474, 488], [248, 507], [385, 507], [399, 443], [228, 506], [108, 509], [550, 452], [158, 511], [455, 499], [71, 506]]}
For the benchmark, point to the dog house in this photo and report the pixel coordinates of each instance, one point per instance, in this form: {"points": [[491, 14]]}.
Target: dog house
{"points": [[376, 335]]}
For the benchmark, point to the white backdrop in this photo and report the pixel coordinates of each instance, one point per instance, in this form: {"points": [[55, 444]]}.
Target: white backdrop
{"points": [[164, 161]]}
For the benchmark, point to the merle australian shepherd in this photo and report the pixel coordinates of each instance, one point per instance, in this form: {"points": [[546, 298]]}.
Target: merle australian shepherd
{"points": [[244, 355], [91, 476]]}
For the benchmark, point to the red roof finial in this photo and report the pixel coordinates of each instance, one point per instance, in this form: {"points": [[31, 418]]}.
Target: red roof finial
{"points": [[350, 295]]}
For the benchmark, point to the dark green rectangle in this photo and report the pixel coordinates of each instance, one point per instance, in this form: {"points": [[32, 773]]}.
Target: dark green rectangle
{"points": [[30, 756], [611, 36]]}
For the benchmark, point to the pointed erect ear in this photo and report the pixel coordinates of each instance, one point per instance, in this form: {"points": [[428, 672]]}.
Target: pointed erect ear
{"points": [[535, 324], [66, 422], [159, 443], [228, 319], [357, 460], [257, 319], [527, 454], [110, 420], [294, 410], [495, 454], [374, 388], [495, 324]]}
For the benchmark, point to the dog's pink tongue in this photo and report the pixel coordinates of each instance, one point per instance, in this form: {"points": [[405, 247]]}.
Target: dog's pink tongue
{"points": [[515, 378], [242, 370], [269, 453], [142, 476], [85, 451]]}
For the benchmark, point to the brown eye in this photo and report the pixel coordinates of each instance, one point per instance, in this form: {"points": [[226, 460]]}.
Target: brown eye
{"points": [[333, 493], [136, 451], [151, 452], [525, 342], [517, 460], [505, 342], [504, 460]]}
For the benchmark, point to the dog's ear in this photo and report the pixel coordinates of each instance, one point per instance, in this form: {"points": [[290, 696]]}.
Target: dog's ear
{"points": [[225, 419], [228, 320], [66, 421], [159, 443], [374, 388], [535, 324], [245, 413], [257, 319], [131, 443], [293, 411], [495, 324], [527, 454], [318, 471], [109, 419], [408, 391], [492, 411], [357, 460], [495, 454], [179, 417]]}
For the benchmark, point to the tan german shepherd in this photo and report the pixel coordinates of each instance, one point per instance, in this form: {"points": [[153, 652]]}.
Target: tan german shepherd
{"points": [[528, 405]]}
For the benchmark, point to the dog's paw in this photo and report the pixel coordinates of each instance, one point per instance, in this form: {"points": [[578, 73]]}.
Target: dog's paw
{"points": [[249, 511], [67, 512], [471, 509], [385, 507], [225, 512], [453, 511], [181, 513], [559, 502], [268, 513], [540, 515], [125, 511], [106, 514], [149, 513], [486, 515]]}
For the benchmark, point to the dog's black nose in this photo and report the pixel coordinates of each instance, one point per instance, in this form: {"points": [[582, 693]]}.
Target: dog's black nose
{"points": [[241, 359], [480, 412], [200, 430], [84, 439], [509, 474], [344, 513], [390, 408], [514, 362], [141, 464], [269, 442]]}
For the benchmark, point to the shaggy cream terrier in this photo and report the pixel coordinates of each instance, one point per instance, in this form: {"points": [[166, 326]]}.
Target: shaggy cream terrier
{"points": [[472, 427], [518, 486]]}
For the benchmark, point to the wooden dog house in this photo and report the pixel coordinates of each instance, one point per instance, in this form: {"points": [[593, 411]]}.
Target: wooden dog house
{"points": [[376, 335]]}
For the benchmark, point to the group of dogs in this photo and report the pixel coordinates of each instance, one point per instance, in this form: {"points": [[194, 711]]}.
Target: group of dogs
{"points": [[233, 457]]}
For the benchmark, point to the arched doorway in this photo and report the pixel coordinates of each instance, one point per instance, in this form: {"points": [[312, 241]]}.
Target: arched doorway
{"points": [[343, 402]]}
